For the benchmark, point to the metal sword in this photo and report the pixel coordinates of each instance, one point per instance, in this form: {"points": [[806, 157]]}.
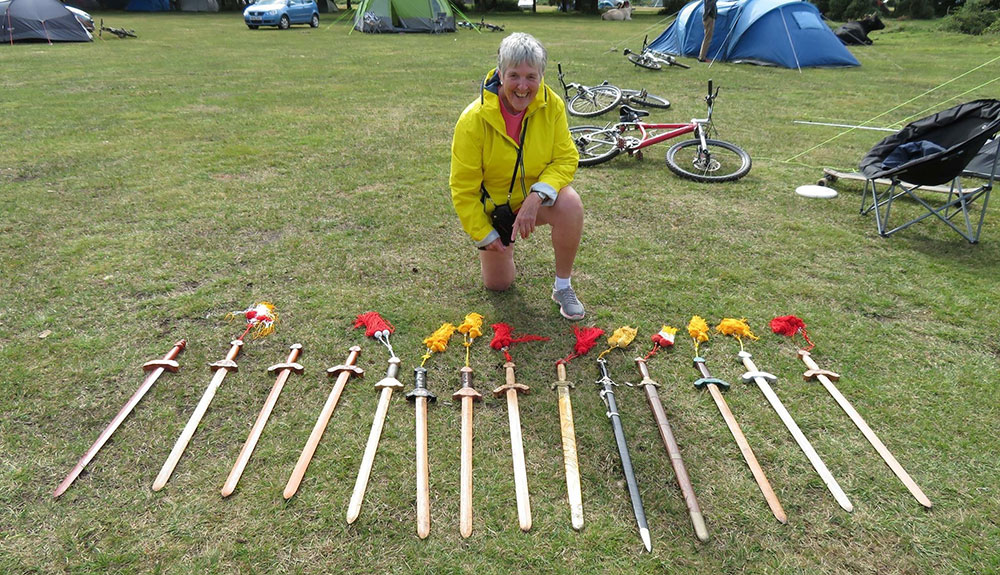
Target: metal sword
{"points": [[510, 389], [468, 395], [342, 372], [386, 385], [154, 369], [570, 461], [673, 450], [827, 378], [608, 395], [420, 395], [221, 369], [284, 370], [763, 379], [713, 385]]}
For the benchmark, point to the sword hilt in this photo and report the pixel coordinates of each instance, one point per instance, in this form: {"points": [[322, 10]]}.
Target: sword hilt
{"points": [[348, 364], [467, 390], [561, 374], [289, 364], [228, 364], [814, 370], [752, 375], [707, 379], [420, 386], [167, 363], [644, 372], [390, 381], [511, 383]]}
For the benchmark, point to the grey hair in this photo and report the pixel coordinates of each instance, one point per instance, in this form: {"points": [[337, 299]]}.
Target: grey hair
{"points": [[520, 48]]}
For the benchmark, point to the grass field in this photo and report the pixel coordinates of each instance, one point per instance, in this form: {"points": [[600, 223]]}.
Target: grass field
{"points": [[150, 186]]}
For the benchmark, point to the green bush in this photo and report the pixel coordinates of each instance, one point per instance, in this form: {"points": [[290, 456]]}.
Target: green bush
{"points": [[858, 9], [916, 9], [975, 17], [671, 7]]}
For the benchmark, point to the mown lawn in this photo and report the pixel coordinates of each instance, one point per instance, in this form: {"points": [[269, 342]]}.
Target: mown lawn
{"points": [[149, 186]]}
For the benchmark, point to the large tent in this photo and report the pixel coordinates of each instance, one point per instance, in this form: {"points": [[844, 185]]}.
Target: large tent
{"points": [[46, 20], [404, 16], [789, 33]]}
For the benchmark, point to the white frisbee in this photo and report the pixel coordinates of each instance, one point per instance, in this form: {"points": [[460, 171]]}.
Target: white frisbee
{"points": [[814, 191]]}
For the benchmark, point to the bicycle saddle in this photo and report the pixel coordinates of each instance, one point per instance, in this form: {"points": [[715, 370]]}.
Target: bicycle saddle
{"points": [[628, 114]]}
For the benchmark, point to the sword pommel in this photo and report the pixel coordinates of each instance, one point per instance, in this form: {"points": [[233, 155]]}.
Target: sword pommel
{"points": [[702, 382], [420, 386], [167, 364], [226, 364], [751, 375]]}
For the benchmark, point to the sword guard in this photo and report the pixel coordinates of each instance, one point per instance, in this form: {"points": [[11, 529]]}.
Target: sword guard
{"points": [[295, 367], [421, 392], [355, 370], [750, 375], [167, 364], [518, 387], [563, 383], [467, 392], [812, 373], [646, 381], [226, 364], [702, 382], [390, 382]]}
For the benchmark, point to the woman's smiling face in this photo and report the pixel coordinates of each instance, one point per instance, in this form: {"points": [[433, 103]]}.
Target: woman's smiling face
{"points": [[518, 87]]}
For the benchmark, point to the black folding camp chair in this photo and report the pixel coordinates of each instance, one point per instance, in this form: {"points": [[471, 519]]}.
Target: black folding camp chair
{"points": [[929, 152]]}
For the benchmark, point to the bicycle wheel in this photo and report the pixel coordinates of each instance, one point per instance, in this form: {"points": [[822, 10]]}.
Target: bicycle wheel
{"points": [[643, 61], [719, 162], [645, 100], [596, 145], [594, 101]]}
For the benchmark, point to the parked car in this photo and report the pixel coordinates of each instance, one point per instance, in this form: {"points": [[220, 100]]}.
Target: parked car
{"points": [[281, 13], [83, 18]]}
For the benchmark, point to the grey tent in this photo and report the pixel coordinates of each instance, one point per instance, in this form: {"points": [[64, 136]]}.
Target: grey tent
{"points": [[46, 20]]}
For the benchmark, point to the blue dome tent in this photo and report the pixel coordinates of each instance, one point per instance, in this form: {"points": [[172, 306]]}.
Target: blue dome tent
{"points": [[789, 33]]}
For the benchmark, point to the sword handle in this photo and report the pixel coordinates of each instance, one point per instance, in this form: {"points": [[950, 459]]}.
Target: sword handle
{"points": [[167, 362], [561, 371], [699, 364], [509, 373]]}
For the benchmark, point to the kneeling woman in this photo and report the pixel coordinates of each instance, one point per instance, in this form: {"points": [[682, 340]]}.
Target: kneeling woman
{"points": [[512, 162]]}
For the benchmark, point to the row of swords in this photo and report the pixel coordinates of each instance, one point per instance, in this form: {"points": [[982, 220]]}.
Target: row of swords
{"points": [[420, 395]]}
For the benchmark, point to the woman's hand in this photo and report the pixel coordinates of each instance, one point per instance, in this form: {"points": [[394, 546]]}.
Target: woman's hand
{"points": [[496, 246], [524, 223]]}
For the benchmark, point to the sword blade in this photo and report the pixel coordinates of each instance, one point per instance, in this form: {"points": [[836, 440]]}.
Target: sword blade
{"points": [[748, 455], [423, 471], [465, 503], [623, 455], [188, 432], [344, 373], [361, 485], [105, 435], [517, 454], [673, 450], [570, 460], [869, 434], [800, 438]]}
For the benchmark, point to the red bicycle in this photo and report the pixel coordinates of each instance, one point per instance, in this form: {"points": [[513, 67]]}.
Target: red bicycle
{"points": [[702, 159]]}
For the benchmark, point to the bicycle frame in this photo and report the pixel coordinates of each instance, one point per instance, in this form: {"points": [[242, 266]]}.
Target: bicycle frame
{"points": [[674, 130]]}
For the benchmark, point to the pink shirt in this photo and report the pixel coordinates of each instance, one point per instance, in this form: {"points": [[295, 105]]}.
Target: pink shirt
{"points": [[512, 122]]}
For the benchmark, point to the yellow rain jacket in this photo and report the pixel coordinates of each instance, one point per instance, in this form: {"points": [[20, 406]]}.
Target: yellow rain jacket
{"points": [[483, 156]]}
